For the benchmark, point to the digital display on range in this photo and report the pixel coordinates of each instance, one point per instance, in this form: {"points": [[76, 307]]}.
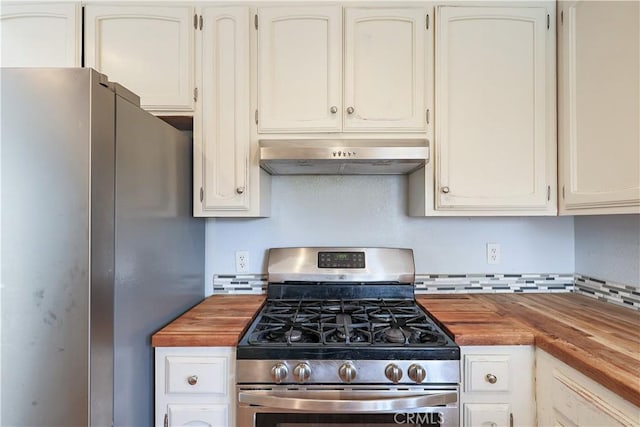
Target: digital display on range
{"points": [[341, 260]]}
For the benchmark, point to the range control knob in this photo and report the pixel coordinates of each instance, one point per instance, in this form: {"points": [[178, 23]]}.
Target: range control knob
{"points": [[393, 372], [347, 372], [302, 372], [417, 373], [279, 372]]}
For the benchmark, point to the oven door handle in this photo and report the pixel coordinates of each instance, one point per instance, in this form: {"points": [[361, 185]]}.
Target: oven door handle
{"points": [[332, 405]]}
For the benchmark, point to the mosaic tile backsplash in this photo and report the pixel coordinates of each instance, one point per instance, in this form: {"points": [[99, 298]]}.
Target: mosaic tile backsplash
{"points": [[623, 295], [615, 293]]}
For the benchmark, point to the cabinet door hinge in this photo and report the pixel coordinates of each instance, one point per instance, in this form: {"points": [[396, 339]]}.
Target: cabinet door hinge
{"points": [[548, 192], [562, 17], [511, 419], [201, 22], [166, 420], [548, 21], [563, 192], [427, 21], [256, 116], [195, 94], [255, 21], [201, 194], [427, 116], [195, 21]]}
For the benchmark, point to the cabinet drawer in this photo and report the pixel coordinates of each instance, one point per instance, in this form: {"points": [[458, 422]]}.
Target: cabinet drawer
{"points": [[196, 375], [486, 415], [486, 373]]}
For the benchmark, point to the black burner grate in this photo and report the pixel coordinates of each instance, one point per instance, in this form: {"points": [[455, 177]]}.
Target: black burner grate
{"points": [[361, 322]]}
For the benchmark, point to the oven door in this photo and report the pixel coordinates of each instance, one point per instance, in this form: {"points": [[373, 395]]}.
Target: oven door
{"points": [[355, 406]]}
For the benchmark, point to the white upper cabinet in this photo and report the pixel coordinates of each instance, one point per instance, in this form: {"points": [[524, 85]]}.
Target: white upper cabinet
{"points": [[40, 35], [148, 49], [311, 78], [599, 107], [495, 141], [222, 133], [299, 69], [384, 71]]}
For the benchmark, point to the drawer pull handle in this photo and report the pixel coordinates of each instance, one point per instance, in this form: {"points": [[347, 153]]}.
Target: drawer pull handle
{"points": [[491, 379], [192, 380]]}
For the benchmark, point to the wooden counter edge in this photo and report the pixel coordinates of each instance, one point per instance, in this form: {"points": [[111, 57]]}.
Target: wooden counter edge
{"points": [[626, 387], [168, 337]]}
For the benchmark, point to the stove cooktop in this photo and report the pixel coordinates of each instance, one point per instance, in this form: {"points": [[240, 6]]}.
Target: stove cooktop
{"points": [[345, 329]]}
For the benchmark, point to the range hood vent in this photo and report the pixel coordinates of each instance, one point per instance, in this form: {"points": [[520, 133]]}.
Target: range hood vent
{"points": [[343, 157]]}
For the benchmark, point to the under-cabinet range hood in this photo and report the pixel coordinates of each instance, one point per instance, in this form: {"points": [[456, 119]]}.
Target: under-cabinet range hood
{"points": [[343, 157]]}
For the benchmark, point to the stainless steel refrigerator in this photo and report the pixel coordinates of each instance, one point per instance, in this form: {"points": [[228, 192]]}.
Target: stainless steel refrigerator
{"points": [[99, 248]]}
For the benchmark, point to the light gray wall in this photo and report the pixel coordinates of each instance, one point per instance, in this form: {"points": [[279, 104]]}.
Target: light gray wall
{"points": [[608, 248], [371, 211]]}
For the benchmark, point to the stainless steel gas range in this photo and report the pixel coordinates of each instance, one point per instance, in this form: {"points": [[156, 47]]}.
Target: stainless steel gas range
{"points": [[341, 341]]}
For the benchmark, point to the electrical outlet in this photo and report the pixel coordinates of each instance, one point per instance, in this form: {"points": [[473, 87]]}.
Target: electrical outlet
{"points": [[242, 261], [493, 253]]}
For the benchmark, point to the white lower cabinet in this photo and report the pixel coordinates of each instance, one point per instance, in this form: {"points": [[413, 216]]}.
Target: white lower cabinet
{"points": [[195, 386], [197, 415], [565, 397], [497, 386], [486, 414]]}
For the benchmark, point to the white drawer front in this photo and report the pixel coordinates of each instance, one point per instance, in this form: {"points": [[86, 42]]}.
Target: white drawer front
{"points": [[486, 415], [197, 375], [486, 373]]}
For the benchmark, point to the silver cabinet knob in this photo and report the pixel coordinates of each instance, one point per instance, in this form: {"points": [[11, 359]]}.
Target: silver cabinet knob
{"points": [[347, 372], [192, 380], [279, 372], [350, 110], [302, 372], [491, 379], [417, 373], [445, 190], [333, 109], [240, 190], [393, 372]]}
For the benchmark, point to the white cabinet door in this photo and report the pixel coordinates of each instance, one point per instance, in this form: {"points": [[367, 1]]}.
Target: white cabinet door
{"points": [[566, 397], [495, 102], [599, 107], [198, 415], [40, 35], [299, 69], [384, 73], [222, 128], [148, 49], [486, 415]]}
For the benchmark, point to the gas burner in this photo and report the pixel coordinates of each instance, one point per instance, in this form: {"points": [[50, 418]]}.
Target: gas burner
{"points": [[280, 334], [427, 337], [339, 336], [293, 335], [394, 335]]}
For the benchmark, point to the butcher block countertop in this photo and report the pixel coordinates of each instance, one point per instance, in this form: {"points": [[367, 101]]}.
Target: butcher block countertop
{"points": [[218, 321], [600, 340]]}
